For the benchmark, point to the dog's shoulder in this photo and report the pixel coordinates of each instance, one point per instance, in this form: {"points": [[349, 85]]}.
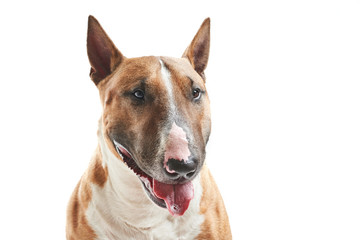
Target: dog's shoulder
{"points": [[78, 226], [216, 224]]}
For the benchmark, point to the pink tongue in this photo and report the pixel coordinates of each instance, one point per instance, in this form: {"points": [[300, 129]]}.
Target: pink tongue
{"points": [[176, 196]]}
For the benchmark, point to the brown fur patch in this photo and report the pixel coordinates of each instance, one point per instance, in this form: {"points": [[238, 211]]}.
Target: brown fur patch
{"points": [[216, 224], [97, 173], [77, 224]]}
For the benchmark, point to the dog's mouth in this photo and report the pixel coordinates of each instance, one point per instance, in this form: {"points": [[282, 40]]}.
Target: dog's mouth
{"points": [[175, 197]]}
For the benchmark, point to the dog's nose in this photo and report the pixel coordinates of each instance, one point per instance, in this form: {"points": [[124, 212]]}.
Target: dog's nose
{"points": [[180, 169]]}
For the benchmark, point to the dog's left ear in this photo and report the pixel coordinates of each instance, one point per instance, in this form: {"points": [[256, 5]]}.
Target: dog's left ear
{"points": [[198, 50]]}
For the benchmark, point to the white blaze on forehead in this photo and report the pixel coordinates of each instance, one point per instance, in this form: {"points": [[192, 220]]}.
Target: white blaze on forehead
{"points": [[166, 77], [177, 146]]}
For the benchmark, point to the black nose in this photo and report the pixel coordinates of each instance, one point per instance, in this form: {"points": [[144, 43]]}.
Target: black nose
{"points": [[180, 168]]}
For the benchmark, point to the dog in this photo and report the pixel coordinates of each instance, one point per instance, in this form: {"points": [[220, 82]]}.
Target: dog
{"points": [[147, 178]]}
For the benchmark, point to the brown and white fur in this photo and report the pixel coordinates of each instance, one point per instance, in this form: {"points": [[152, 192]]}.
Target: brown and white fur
{"points": [[155, 110]]}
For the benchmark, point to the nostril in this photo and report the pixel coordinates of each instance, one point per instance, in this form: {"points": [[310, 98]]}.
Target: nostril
{"points": [[172, 175], [180, 168], [190, 174]]}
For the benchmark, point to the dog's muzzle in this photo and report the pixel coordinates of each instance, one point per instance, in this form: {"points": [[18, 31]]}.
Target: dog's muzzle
{"points": [[175, 197]]}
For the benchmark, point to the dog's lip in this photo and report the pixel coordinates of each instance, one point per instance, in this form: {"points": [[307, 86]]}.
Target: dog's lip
{"points": [[150, 192], [146, 180]]}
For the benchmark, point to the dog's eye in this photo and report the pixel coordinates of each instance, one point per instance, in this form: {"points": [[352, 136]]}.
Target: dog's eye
{"points": [[196, 93], [139, 94]]}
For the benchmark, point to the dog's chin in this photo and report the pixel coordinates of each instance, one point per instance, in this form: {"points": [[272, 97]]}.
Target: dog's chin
{"points": [[146, 180]]}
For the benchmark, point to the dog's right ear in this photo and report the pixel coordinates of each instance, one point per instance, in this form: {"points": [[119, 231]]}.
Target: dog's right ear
{"points": [[103, 55]]}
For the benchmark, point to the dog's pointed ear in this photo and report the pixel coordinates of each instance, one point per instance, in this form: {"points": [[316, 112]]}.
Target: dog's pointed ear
{"points": [[103, 55], [198, 50]]}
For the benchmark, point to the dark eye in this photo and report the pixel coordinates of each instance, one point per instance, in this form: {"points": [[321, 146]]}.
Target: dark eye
{"points": [[139, 94], [196, 93]]}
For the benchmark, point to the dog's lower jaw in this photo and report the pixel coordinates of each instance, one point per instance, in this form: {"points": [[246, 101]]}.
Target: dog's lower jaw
{"points": [[122, 208]]}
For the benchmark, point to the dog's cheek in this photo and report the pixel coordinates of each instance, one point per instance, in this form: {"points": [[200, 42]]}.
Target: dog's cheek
{"points": [[116, 128], [206, 120], [206, 129], [152, 128], [149, 149]]}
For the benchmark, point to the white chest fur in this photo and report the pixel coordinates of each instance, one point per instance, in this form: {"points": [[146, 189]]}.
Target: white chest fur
{"points": [[122, 210]]}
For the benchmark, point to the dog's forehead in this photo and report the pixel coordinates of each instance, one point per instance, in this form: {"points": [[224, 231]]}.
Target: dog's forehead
{"points": [[142, 67], [148, 69], [181, 68]]}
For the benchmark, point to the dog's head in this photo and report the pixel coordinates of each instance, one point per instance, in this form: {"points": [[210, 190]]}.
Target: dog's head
{"points": [[156, 116]]}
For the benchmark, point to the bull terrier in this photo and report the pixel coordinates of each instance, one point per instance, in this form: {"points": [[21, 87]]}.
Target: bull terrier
{"points": [[147, 178]]}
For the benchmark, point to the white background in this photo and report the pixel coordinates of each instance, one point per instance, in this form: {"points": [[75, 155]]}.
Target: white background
{"points": [[283, 78]]}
